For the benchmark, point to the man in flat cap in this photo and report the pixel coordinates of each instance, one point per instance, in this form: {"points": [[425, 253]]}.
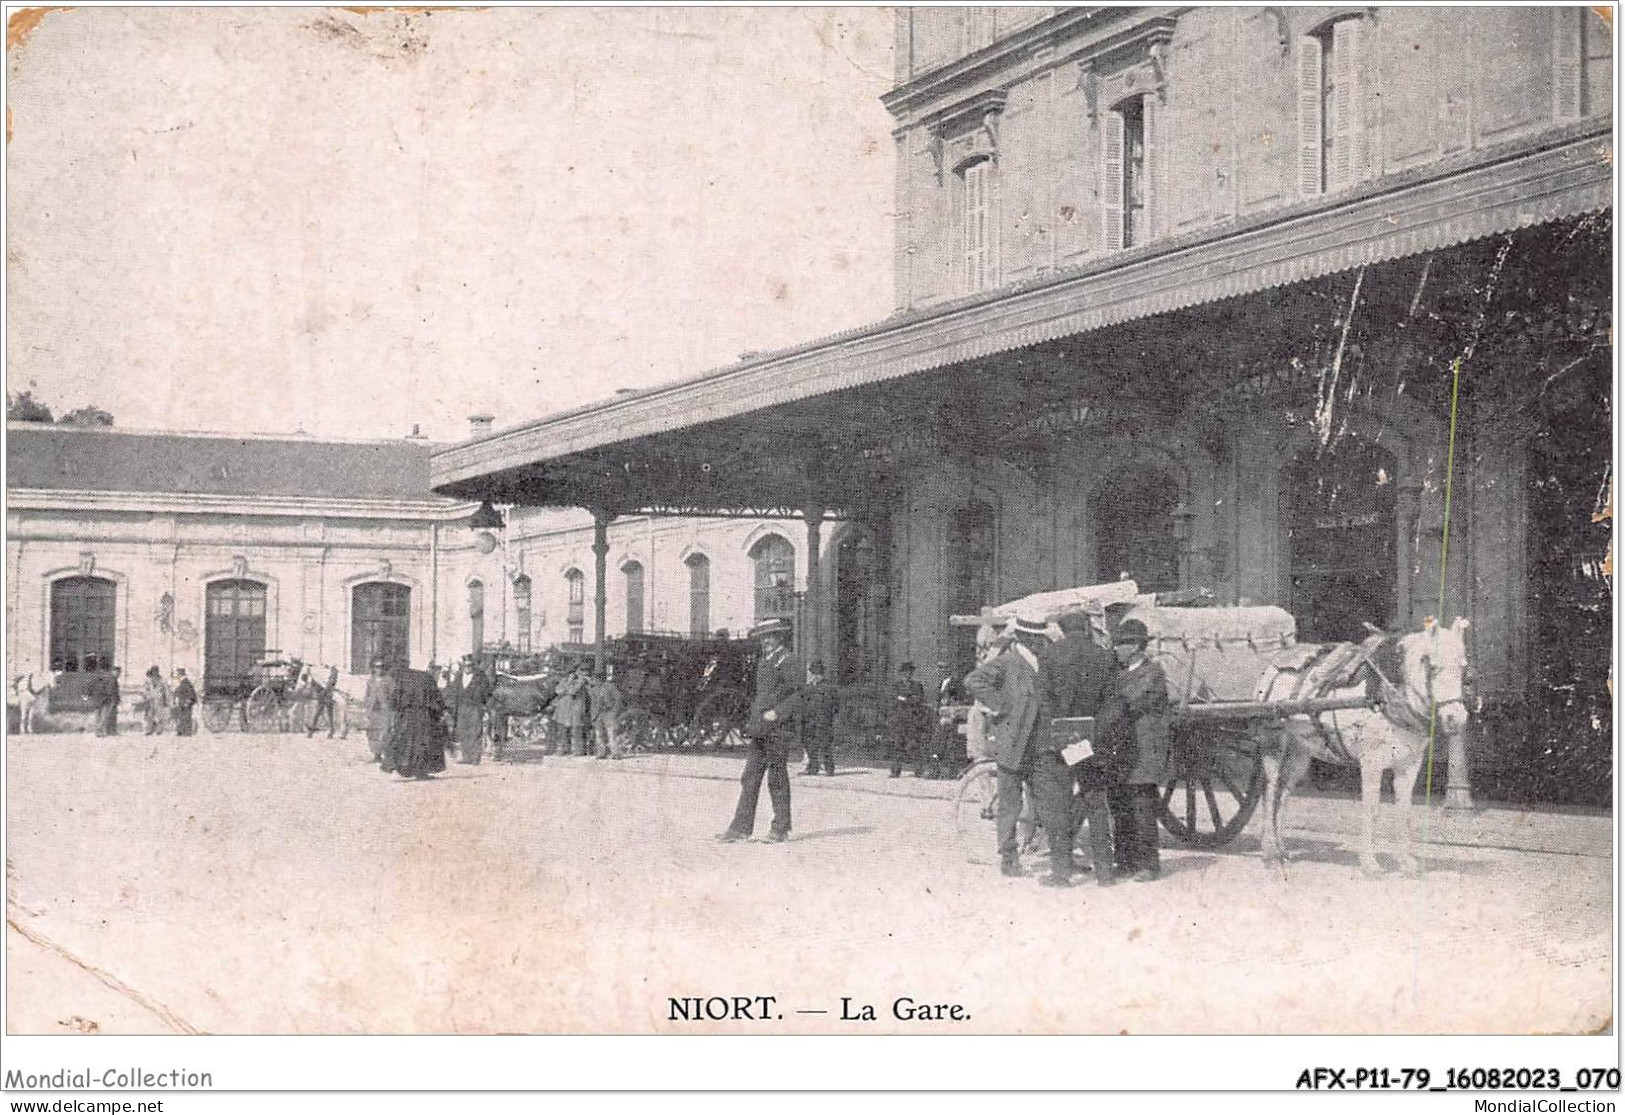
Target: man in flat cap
{"points": [[1008, 684], [774, 701]]}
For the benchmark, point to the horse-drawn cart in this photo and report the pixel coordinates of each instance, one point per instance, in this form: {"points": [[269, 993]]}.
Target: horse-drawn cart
{"points": [[1234, 675]]}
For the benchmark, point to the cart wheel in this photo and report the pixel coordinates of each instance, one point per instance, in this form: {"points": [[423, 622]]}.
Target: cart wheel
{"points": [[638, 730], [720, 716], [263, 713], [222, 716], [1218, 777]]}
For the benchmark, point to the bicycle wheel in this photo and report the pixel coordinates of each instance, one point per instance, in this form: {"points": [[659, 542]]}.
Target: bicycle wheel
{"points": [[975, 813]]}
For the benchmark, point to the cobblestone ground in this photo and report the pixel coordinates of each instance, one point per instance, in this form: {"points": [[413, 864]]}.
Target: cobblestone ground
{"points": [[257, 884]]}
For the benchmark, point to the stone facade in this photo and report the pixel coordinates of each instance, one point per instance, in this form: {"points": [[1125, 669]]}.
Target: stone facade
{"points": [[307, 549], [1236, 113]]}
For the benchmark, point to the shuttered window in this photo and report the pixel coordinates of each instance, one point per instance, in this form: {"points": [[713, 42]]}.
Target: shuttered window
{"points": [[1129, 172], [1582, 64], [1331, 107], [977, 225]]}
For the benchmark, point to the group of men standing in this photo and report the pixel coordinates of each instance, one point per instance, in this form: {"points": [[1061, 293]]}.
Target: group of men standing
{"points": [[158, 700], [1031, 683]]}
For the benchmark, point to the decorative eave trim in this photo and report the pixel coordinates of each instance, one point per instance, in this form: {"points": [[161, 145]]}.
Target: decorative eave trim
{"points": [[1514, 186], [79, 499]]}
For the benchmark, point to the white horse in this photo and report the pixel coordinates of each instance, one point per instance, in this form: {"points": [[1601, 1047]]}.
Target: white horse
{"points": [[32, 691], [1416, 688]]}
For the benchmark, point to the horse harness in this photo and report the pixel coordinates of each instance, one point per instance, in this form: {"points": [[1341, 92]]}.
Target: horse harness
{"points": [[1342, 664]]}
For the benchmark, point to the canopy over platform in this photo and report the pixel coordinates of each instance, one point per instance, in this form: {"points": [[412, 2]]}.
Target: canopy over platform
{"points": [[824, 424]]}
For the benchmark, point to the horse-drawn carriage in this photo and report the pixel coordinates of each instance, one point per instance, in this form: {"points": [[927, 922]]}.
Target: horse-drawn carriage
{"points": [[1251, 706], [276, 694], [676, 691]]}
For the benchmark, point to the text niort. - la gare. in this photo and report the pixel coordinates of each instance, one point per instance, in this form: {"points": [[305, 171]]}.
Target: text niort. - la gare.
{"points": [[764, 1008]]}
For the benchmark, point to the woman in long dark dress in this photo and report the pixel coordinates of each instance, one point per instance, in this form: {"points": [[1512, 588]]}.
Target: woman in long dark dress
{"points": [[417, 735]]}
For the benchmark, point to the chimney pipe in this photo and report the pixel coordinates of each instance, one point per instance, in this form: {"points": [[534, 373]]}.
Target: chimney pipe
{"points": [[480, 424]]}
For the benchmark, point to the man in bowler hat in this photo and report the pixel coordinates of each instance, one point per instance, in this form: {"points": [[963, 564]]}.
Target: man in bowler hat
{"points": [[774, 702]]}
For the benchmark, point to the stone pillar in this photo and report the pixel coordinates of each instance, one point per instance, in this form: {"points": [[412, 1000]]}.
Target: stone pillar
{"points": [[812, 637], [601, 519]]}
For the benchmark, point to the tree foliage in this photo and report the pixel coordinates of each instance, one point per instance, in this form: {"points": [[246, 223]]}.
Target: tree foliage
{"points": [[23, 407], [86, 416]]}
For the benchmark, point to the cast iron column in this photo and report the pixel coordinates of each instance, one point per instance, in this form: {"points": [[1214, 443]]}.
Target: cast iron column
{"points": [[811, 639], [601, 518]]}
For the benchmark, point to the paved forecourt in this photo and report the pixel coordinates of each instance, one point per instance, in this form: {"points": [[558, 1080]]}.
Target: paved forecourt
{"points": [[259, 884]]}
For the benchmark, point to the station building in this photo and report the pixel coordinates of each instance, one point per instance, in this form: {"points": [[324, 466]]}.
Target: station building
{"points": [[1304, 306], [207, 551]]}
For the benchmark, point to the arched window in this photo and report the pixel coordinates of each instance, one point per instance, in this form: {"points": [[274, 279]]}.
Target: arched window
{"points": [[521, 605], [699, 594], [575, 618], [1136, 529], [970, 574], [476, 615], [82, 615], [775, 561], [233, 636], [380, 625], [633, 572]]}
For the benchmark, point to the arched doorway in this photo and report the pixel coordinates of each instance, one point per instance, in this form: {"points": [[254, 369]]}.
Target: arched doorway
{"points": [[83, 610], [861, 576], [1341, 540], [1137, 528], [972, 562], [233, 635]]}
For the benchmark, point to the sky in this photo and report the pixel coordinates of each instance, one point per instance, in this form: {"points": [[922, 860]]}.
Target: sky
{"points": [[266, 220]]}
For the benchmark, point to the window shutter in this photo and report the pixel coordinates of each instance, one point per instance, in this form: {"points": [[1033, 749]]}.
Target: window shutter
{"points": [[1309, 182], [1151, 122], [1348, 106], [1111, 187], [1568, 70]]}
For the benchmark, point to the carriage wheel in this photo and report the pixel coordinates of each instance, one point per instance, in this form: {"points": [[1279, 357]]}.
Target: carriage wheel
{"points": [[719, 717], [222, 716], [1217, 779], [263, 713]]}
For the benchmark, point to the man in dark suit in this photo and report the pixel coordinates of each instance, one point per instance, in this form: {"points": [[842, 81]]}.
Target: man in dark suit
{"points": [[774, 701], [819, 702], [906, 721], [1008, 684], [1137, 728], [1076, 678]]}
